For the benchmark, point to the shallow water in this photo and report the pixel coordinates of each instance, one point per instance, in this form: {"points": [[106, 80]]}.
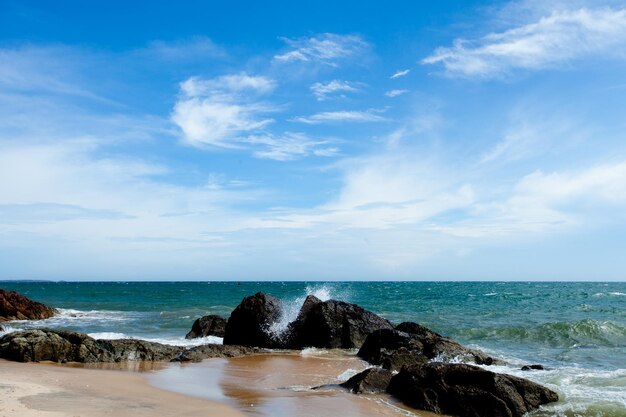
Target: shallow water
{"points": [[576, 329], [281, 385]]}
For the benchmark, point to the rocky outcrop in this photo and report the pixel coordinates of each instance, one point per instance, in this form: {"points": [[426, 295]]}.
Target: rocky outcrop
{"points": [[467, 391], [322, 324], [412, 344], [249, 323], [199, 353], [333, 324], [60, 346], [370, 381], [207, 326], [14, 306]]}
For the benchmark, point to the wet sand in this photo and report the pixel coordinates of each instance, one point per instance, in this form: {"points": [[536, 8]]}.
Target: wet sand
{"points": [[50, 390], [279, 385], [273, 385]]}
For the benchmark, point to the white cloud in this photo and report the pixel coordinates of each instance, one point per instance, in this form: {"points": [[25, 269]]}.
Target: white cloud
{"points": [[290, 146], [563, 36], [216, 111], [341, 116], [324, 91], [327, 48], [228, 86], [400, 73], [395, 93]]}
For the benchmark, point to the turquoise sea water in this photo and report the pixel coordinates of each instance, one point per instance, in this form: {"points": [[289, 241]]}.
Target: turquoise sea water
{"points": [[578, 330]]}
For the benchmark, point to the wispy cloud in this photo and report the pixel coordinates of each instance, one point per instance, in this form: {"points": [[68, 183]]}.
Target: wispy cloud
{"points": [[400, 73], [563, 36], [323, 91], [291, 146], [326, 48], [214, 112], [342, 116], [395, 93]]}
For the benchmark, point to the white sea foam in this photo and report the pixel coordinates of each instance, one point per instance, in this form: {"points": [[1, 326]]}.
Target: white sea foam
{"points": [[173, 341], [582, 392], [311, 351], [347, 374]]}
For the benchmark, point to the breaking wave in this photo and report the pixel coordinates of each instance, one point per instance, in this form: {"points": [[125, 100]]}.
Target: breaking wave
{"points": [[557, 334], [291, 307]]}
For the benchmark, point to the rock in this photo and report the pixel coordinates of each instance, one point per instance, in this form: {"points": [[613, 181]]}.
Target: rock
{"points": [[207, 326], [14, 306], [533, 368], [199, 353], [467, 391], [370, 381], [249, 323], [61, 346], [411, 344], [332, 324]]}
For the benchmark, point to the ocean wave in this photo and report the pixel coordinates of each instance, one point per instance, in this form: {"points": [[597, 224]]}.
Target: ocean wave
{"points": [[558, 334], [583, 392], [174, 341]]}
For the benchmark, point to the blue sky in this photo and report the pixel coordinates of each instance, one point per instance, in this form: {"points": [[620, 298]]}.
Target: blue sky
{"points": [[443, 140]]}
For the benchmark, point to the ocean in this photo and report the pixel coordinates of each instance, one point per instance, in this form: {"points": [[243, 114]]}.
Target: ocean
{"points": [[576, 330]]}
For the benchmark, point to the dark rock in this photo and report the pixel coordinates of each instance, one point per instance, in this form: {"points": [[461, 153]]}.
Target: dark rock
{"points": [[533, 368], [332, 324], [199, 353], [467, 391], [414, 344], [249, 323], [207, 326], [14, 306], [60, 346], [370, 381]]}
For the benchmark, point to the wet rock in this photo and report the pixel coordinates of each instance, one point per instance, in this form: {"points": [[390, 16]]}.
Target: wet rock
{"points": [[467, 391], [60, 346], [14, 306], [199, 353], [207, 326], [249, 323], [411, 344], [370, 381], [332, 324], [533, 368]]}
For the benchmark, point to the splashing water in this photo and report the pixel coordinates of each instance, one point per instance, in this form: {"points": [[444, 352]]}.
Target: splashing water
{"points": [[291, 307]]}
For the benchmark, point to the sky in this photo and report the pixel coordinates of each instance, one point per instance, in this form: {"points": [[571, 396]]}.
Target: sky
{"points": [[282, 140]]}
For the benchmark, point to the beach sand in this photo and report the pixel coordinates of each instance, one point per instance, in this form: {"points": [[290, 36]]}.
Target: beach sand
{"points": [[51, 390], [274, 385]]}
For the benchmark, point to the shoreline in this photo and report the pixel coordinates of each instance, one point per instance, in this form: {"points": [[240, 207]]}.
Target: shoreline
{"points": [[52, 390], [262, 385]]}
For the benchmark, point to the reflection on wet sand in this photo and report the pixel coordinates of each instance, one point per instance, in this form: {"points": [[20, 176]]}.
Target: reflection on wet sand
{"points": [[280, 385]]}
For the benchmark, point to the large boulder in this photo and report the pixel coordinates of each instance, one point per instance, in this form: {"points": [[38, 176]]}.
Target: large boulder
{"points": [[61, 346], [412, 344], [249, 324], [370, 381], [207, 326], [467, 391], [14, 306], [333, 324]]}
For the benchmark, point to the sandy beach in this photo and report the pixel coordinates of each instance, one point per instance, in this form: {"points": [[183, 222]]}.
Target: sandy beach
{"points": [[50, 390]]}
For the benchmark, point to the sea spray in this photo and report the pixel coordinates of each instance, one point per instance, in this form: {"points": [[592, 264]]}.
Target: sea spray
{"points": [[291, 307]]}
